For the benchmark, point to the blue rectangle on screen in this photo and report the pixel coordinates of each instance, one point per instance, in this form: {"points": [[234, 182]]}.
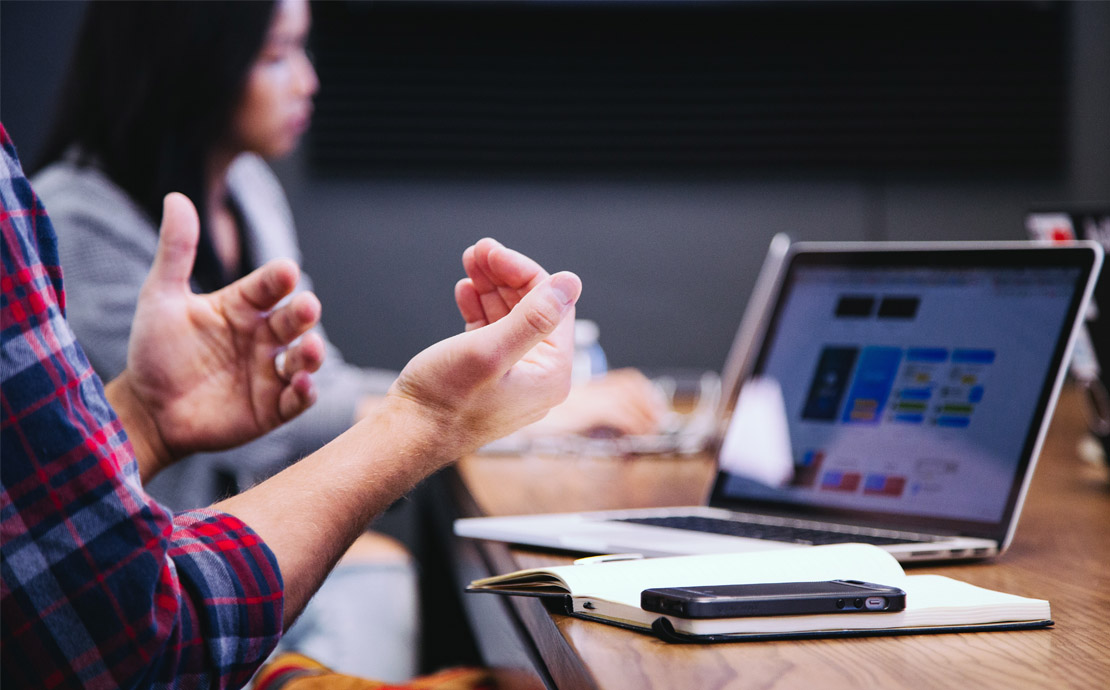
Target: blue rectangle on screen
{"points": [[872, 383], [874, 482], [909, 418], [926, 354], [954, 422], [832, 479], [973, 356], [915, 393]]}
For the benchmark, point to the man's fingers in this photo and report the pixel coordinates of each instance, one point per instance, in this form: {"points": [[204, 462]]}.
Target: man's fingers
{"points": [[513, 269], [297, 397], [535, 318], [470, 304], [267, 285], [292, 320], [177, 243], [514, 274], [307, 355], [474, 268], [488, 285], [501, 276]]}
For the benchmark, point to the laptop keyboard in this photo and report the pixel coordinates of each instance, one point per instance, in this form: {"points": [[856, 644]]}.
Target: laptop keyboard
{"points": [[777, 532]]}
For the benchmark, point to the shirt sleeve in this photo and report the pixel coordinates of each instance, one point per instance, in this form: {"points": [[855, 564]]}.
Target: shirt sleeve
{"points": [[102, 586]]}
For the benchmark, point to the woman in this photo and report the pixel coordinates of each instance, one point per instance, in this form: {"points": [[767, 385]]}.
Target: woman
{"points": [[192, 97]]}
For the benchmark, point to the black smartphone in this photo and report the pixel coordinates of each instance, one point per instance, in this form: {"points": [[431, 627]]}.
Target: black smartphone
{"points": [[773, 599]]}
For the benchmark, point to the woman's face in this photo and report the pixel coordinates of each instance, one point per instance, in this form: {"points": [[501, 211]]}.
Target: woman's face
{"points": [[277, 103]]}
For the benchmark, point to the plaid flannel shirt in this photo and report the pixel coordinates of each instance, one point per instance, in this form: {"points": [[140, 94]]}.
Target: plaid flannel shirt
{"points": [[99, 585]]}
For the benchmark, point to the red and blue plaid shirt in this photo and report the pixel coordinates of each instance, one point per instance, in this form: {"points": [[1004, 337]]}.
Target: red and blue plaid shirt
{"points": [[101, 586]]}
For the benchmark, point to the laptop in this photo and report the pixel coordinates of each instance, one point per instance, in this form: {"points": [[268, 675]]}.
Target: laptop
{"points": [[889, 393]]}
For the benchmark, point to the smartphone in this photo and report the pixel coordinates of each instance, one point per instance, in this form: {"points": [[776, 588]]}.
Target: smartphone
{"points": [[773, 599]]}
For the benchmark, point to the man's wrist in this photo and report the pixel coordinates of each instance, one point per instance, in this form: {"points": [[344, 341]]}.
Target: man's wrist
{"points": [[151, 451], [424, 431]]}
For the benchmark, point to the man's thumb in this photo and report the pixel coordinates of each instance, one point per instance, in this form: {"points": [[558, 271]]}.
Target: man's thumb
{"points": [[177, 242], [538, 316]]}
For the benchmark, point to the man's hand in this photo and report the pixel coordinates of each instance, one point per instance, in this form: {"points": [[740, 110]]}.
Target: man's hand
{"points": [[508, 369], [513, 363], [623, 402], [201, 371]]}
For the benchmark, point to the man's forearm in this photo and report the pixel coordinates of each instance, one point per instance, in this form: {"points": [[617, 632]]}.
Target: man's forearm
{"points": [[311, 512]]}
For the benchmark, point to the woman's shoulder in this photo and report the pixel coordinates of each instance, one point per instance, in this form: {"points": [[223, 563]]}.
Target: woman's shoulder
{"points": [[80, 199], [67, 189]]}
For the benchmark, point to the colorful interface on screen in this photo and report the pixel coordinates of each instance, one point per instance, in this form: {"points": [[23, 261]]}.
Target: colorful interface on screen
{"points": [[907, 390]]}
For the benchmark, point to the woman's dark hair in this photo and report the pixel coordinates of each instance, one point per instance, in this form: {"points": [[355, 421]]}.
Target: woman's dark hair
{"points": [[151, 88]]}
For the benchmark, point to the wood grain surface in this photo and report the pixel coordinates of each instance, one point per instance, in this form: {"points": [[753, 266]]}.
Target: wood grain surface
{"points": [[1061, 553]]}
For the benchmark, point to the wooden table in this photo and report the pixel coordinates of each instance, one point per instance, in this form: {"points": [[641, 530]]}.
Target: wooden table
{"points": [[1061, 553]]}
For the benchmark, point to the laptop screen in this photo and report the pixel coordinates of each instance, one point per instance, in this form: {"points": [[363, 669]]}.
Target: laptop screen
{"points": [[903, 385]]}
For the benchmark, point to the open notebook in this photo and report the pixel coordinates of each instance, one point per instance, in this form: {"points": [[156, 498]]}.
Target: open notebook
{"points": [[895, 394], [610, 592]]}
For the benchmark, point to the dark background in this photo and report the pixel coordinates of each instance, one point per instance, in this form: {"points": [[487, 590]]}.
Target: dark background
{"points": [[654, 148]]}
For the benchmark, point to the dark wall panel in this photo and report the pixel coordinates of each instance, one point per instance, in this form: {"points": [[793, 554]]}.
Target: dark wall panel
{"points": [[690, 87]]}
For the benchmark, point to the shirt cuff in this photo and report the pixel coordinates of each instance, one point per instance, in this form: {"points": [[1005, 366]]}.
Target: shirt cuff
{"points": [[232, 580]]}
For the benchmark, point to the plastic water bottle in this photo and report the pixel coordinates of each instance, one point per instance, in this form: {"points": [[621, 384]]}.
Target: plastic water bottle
{"points": [[589, 358]]}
